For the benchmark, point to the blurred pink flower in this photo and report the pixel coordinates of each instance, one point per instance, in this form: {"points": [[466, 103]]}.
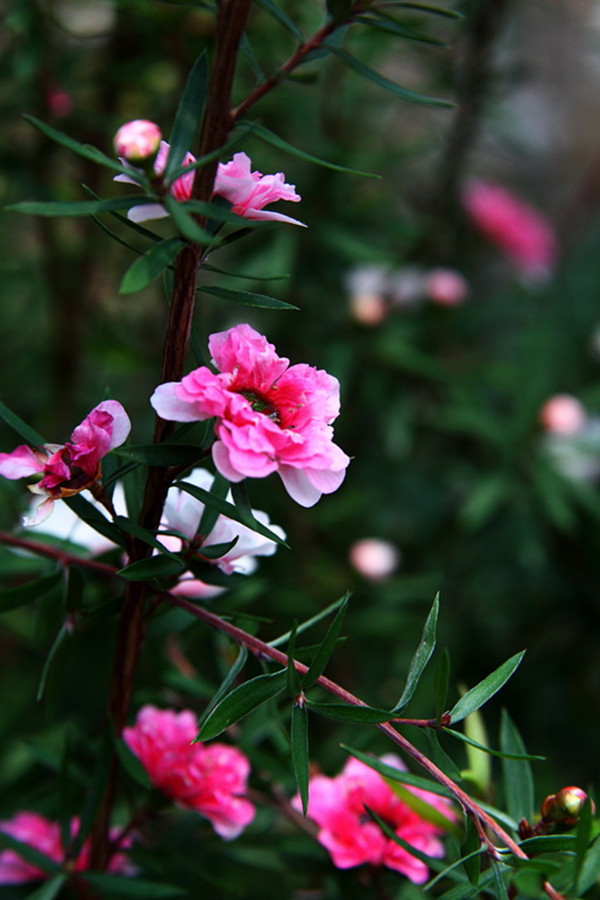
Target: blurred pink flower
{"points": [[208, 779], [446, 287], [374, 558], [524, 235], [271, 417], [138, 141], [563, 414], [34, 830], [59, 101], [69, 468], [248, 192], [352, 838]]}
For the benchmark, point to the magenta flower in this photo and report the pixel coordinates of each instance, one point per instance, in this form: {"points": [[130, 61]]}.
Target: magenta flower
{"points": [[271, 417], [523, 234], [34, 830], [352, 838], [208, 779], [70, 468], [248, 192]]}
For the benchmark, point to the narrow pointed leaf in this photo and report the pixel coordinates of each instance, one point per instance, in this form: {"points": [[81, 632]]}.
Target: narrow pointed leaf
{"points": [[84, 150], [582, 840], [548, 843], [161, 566], [226, 684], [241, 701], [434, 10], [269, 137], [248, 52], [144, 270], [92, 517], [517, 777], [482, 692], [429, 861], [449, 871], [219, 488], [49, 890], [248, 298], [344, 712], [383, 82], [122, 887], [300, 756], [438, 755], [241, 499], [442, 680], [188, 226], [188, 115], [384, 22], [281, 17], [590, 868], [78, 207], [310, 622], [142, 534], [469, 849], [421, 657], [12, 598], [216, 551], [394, 774], [165, 454], [29, 854], [293, 678], [500, 753], [63, 633], [22, 428], [326, 648]]}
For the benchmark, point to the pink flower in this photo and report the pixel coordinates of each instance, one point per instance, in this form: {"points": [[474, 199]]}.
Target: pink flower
{"points": [[374, 558], [138, 141], [352, 838], [69, 468], [208, 779], [563, 414], [446, 287], [248, 192], [183, 513], [522, 233], [270, 417], [34, 830]]}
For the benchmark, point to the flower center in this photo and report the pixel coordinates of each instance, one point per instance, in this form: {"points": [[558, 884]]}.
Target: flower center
{"points": [[262, 405]]}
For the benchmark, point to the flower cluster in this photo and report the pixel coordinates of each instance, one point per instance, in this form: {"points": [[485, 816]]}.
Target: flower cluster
{"points": [[376, 290], [70, 468], [352, 838], [35, 831], [519, 231], [270, 416], [208, 779]]}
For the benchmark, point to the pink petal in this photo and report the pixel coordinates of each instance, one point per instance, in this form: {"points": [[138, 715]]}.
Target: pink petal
{"points": [[299, 486], [167, 404], [21, 463]]}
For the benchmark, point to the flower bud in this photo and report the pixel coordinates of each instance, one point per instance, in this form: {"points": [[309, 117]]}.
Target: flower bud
{"points": [[563, 414], [138, 141], [565, 807], [374, 558], [446, 287]]}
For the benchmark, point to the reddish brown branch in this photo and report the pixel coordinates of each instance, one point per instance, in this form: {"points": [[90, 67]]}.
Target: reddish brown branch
{"points": [[65, 559]]}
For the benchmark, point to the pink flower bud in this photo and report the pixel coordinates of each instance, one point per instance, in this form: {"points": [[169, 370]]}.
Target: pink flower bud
{"points": [[368, 309], [446, 287], [374, 558], [138, 141], [563, 414], [565, 807]]}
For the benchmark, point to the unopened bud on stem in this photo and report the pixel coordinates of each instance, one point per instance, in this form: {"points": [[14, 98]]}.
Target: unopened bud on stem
{"points": [[564, 808], [138, 142]]}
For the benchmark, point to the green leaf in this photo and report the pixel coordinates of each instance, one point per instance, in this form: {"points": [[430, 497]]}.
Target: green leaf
{"points": [[517, 776], [482, 692], [229, 510], [242, 504], [499, 882], [479, 766], [418, 854], [121, 886], [216, 551], [63, 633], [376, 18], [281, 17], [32, 590], [449, 871], [22, 428], [425, 810], [344, 712], [582, 840], [248, 52], [49, 890], [30, 854], [299, 745], [219, 488], [470, 851], [185, 224], [434, 10], [293, 678], [472, 743], [188, 115], [310, 622], [78, 207], [248, 298], [548, 843], [88, 513], [590, 868], [165, 454], [84, 150], [161, 566], [442, 680], [421, 657], [383, 82], [149, 266], [241, 701], [142, 534], [392, 774], [132, 765], [226, 684], [326, 647], [274, 140], [439, 756]]}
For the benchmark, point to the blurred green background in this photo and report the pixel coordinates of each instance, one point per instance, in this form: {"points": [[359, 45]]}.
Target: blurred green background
{"points": [[440, 404]]}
